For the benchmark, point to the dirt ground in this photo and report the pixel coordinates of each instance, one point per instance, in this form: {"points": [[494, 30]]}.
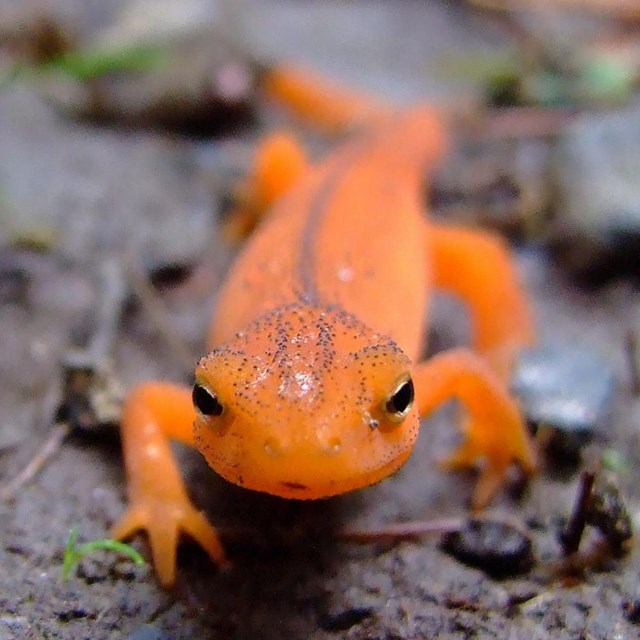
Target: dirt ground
{"points": [[103, 189]]}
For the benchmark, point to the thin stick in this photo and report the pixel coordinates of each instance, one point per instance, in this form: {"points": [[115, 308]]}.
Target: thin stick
{"points": [[633, 355], [411, 529], [394, 531], [48, 450], [112, 288], [156, 310], [572, 535]]}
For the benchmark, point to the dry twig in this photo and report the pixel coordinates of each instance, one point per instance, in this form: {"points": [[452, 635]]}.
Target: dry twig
{"points": [[47, 451], [154, 307]]}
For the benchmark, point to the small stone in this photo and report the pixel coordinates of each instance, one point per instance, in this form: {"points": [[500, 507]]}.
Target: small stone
{"points": [[497, 548], [609, 514], [632, 611], [566, 390], [147, 632], [343, 620], [597, 224]]}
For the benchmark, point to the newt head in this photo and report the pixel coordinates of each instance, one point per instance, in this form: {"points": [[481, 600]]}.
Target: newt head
{"points": [[306, 403]]}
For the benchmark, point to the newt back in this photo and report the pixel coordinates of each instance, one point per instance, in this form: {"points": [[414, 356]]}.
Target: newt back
{"points": [[318, 322], [350, 233]]}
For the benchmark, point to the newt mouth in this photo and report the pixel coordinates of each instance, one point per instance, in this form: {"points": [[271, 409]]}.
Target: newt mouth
{"points": [[295, 485]]}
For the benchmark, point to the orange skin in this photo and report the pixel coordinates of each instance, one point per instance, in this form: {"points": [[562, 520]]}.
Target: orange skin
{"points": [[319, 327], [278, 163]]}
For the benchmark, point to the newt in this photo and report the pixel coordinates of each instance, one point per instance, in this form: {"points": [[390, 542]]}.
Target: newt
{"points": [[314, 384]]}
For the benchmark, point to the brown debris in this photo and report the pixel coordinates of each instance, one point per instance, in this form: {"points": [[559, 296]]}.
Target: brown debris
{"points": [[599, 505], [35, 38], [622, 9], [632, 350], [154, 307]]}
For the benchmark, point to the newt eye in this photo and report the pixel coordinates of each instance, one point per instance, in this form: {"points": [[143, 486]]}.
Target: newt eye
{"points": [[205, 401], [399, 402]]}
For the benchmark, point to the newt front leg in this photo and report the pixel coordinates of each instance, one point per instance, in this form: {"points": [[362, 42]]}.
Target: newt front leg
{"points": [[494, 430], [477, 267], [158, 500]]}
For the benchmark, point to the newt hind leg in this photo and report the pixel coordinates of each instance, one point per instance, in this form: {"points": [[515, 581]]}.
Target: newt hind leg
{"points": [[477, 267], [159, 503], [278, 163]]}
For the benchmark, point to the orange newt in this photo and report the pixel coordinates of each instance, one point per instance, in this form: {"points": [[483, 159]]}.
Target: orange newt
{"points": [[314, 384]]}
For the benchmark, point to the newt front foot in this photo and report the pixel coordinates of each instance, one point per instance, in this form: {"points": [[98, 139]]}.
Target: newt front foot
{"points": [[495, 462], [164, 522]]}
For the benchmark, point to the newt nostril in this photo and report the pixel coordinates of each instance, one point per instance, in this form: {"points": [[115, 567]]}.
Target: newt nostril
{"points": [[295, 485], [333, 445], [273, 447]]}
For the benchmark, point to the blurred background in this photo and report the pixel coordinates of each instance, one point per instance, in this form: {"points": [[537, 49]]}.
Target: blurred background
{"points": [[127, 130]]}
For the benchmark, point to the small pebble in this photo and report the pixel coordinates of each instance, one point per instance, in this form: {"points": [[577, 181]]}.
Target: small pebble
{"points": [[566, 391], [608, 513], [343, 620], [632, 611], [147, 632], [497, 548], [597, 225], [14, 284]]}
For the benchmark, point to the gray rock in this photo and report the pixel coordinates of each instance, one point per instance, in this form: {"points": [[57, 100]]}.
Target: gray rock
{"points": [[566, 389], [595, 172]]}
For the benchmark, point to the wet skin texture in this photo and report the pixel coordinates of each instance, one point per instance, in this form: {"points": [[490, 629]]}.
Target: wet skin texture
{"points": [[313, 386]]}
